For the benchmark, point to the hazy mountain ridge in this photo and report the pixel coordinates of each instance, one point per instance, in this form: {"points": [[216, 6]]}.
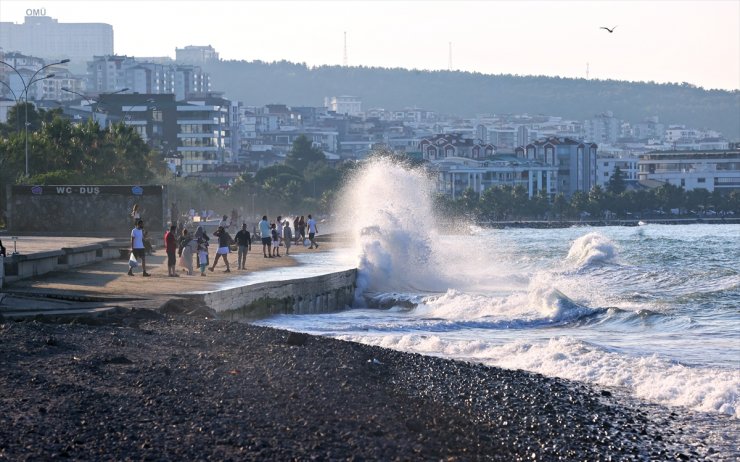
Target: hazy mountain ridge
{"points": [[467, 94]]}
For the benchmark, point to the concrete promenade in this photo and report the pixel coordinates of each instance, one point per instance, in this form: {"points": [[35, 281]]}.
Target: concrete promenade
{"points": [[102, 284]]}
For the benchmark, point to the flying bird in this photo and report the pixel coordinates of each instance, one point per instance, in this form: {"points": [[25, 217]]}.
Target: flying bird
{"points": [[610, 30]]}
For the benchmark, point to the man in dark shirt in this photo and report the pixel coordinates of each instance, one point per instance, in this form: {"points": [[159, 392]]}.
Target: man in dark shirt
{"points": [[224, 239], [244, 243]]}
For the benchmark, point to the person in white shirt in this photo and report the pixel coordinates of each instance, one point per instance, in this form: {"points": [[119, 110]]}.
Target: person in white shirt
{"points": [[265, 236], [312, 230], [137, 247]]}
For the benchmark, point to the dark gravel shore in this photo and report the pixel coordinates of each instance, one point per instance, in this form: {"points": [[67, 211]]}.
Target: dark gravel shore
{"points": [[143, 386]]}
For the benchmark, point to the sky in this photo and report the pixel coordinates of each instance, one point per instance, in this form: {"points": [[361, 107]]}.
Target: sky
{"points": [[662, 41]]}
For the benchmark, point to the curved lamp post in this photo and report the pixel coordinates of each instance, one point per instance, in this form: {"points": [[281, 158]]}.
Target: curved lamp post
{"points": [[93, 107], [26, 86]]}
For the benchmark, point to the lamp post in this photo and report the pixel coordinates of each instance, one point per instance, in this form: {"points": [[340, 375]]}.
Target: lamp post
{"points": [[26, 86], [93, 107]]}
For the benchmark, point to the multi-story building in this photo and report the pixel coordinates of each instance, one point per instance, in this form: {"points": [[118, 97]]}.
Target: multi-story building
{"points": [[456, 174], [606, 165], [347, 105], [707, 169], [204, 134], [454, 145], [603, 128], [575, 162], [107, 74], [197, 55], [45, 37]]}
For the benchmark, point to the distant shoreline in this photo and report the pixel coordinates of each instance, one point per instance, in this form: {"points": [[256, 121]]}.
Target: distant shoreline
{"points": [[545, 224]]}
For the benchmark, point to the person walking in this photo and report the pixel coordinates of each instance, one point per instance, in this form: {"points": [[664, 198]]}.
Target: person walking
{"points": [[287, 237], [302, 228], [170, 245], [224, 239], [188, 246], [244, 243], [265, 236], [312, 230], [137, 248]]}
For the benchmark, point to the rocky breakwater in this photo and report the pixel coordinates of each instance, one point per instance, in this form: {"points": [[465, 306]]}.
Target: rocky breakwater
{"points": [[185, 388]]}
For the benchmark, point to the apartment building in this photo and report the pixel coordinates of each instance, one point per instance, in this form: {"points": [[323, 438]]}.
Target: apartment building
{"points": [[576, 162], [45, 37], [454, 145], [456, 174], [706, 169]]}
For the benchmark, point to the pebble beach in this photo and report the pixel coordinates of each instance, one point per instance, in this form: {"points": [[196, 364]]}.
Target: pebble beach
{"points": [[144, 385]]}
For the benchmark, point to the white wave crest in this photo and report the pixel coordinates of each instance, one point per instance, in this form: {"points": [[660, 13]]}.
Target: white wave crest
{"points": [[650, 378], [591, 249]]}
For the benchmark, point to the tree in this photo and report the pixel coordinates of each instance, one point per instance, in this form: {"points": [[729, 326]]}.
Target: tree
{"points": [[616, 183], [303, 153]]}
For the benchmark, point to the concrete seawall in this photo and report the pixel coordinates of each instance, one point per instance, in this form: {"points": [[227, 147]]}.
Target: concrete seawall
{"points": [[318, 294]]}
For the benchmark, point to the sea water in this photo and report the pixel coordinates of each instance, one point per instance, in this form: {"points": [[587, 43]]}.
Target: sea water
{"points": [[651, 310]]}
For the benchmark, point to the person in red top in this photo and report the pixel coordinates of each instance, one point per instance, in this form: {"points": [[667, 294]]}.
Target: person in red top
{"points": [[170, 243]]}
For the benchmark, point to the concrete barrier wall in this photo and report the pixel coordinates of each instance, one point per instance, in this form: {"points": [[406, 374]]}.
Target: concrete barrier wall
{"points": [[318, 294], [21, 266]]}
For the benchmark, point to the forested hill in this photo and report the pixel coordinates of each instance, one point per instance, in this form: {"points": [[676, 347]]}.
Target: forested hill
{"points": [[467, 94]]}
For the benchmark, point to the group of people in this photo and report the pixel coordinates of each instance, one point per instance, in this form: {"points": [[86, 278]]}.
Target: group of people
{"points": [[181, 245], [273, 234]]}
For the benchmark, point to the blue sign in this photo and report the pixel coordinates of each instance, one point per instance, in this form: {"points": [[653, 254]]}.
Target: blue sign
{"points": [[37, 190], [137, 190]]}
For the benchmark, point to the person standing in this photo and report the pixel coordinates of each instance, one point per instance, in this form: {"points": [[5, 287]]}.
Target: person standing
{"points": [[137, 248], [287, 237], [244, 243], [279, 227], [188, 246], [202, 255], [312, 230], [135, 214], [265, 236], [170, 245], [224, 239], [275, 241]]}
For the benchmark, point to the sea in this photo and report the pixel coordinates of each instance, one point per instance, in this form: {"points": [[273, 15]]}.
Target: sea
{"points": [[652, 311]]}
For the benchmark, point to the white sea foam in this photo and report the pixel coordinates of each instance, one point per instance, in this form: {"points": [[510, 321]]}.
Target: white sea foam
{"points": [[591, 249], [649, 378]]}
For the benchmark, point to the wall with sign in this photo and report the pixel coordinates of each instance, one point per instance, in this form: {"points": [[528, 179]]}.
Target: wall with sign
{"points": [[85, 209]]}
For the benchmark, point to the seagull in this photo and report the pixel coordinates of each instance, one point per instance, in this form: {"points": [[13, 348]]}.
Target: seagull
{"points": [[610, 30]]}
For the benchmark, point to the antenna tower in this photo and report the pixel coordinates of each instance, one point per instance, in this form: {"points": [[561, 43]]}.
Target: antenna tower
{"points": [[449, 61], [344, 62]]}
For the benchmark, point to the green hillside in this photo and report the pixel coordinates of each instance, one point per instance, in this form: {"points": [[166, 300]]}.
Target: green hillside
{"points": [[467, 94]]}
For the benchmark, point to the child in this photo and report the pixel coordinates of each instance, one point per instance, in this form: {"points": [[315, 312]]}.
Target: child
{"points": [[203, 255], [275, 240]]}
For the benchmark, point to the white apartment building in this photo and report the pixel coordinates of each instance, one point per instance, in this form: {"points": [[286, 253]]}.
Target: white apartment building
{"points": [[43, 36], [107, 74], [607, 164], [203, 134], [347, 105], [197, 55], [456, 174], [708, 169]]}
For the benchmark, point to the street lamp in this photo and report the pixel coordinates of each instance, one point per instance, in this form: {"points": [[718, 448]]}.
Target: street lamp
{"points": [[93, 107], [26, 86]]}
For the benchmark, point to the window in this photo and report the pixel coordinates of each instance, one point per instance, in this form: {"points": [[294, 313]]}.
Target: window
{"points": [[700, 180], [683, 182]]}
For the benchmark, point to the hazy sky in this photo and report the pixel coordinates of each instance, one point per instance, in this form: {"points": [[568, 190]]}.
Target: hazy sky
{"points": [[664, 41]]}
